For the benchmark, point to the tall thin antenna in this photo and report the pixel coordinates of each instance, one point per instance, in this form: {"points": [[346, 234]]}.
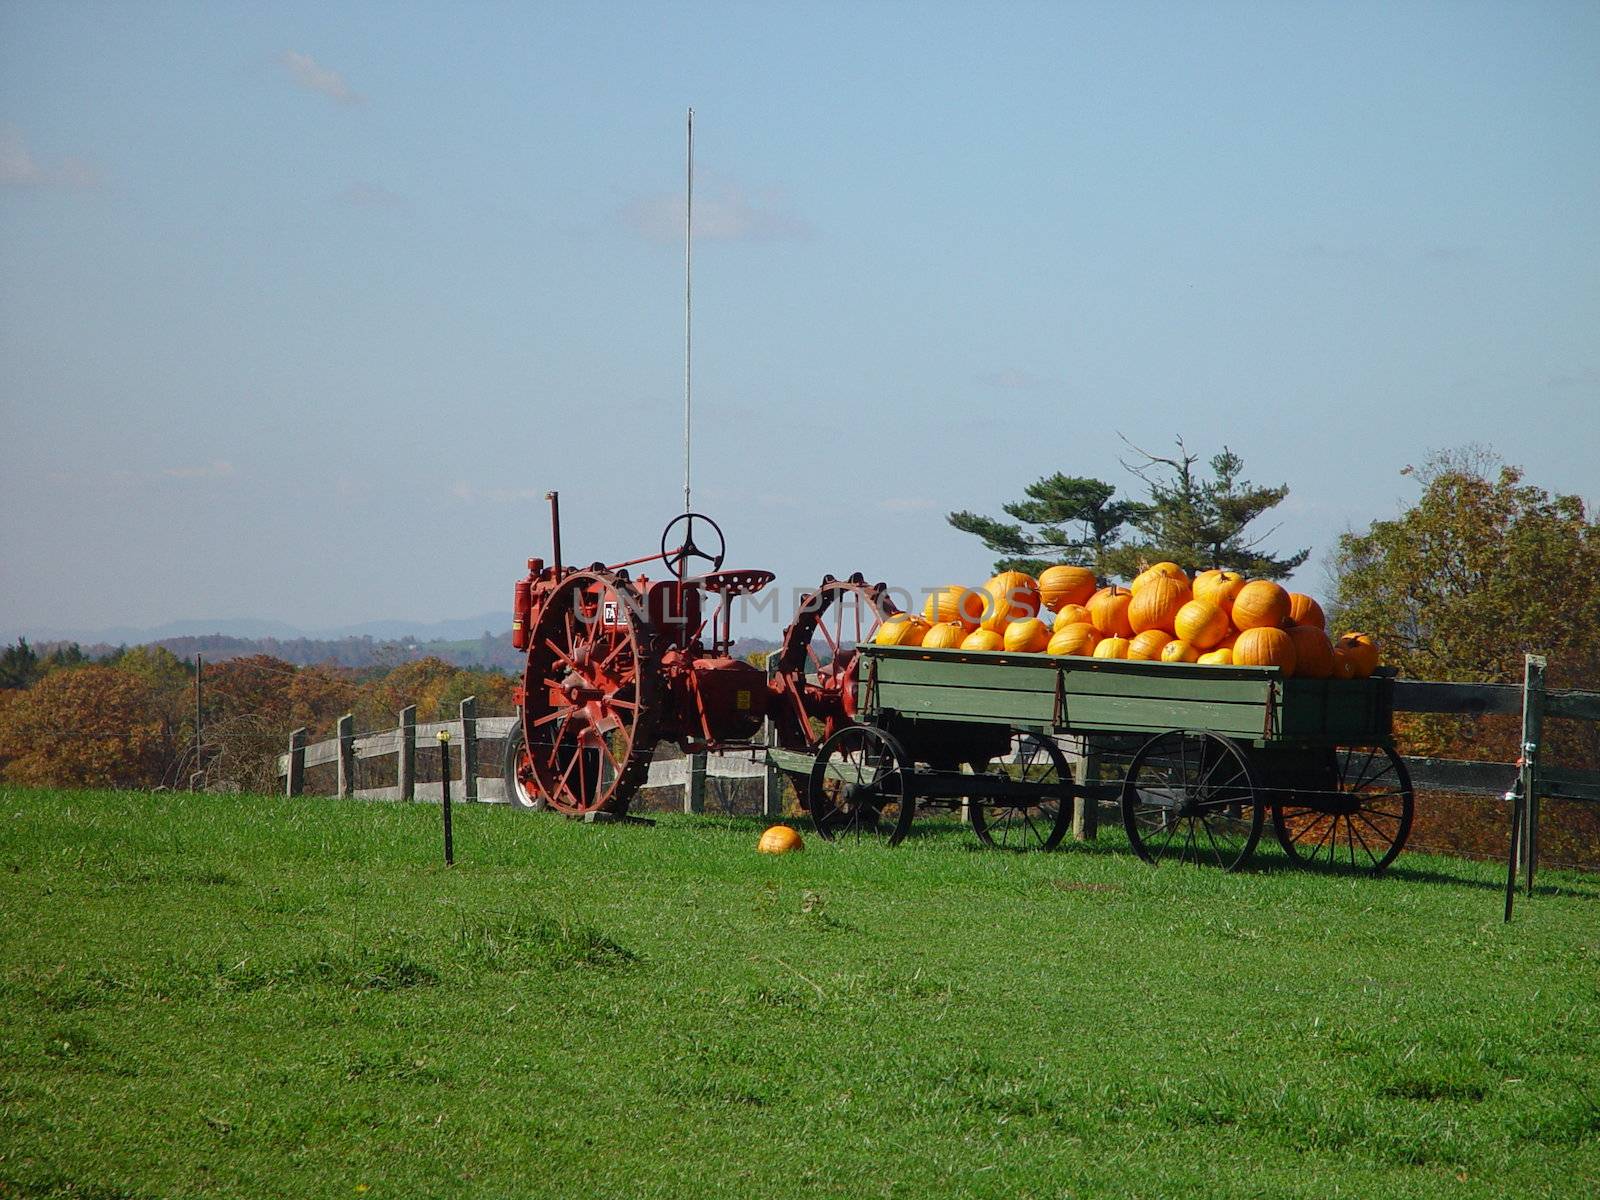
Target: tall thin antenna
{"points": [[688, 312]]}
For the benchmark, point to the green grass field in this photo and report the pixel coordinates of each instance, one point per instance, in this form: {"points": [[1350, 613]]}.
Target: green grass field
{"points": [[255, 997]]}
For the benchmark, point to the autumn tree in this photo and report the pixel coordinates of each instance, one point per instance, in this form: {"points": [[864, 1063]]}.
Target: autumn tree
{"points": [[1065, 518], [93, 726]]}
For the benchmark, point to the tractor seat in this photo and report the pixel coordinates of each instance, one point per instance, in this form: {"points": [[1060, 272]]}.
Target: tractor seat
{"points": [[735, 583]]}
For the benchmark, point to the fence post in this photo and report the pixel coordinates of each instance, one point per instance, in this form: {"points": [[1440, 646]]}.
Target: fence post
{"points": [[694, 787], [469, 749], [408, 752], [1528, 758], [1086, 808], [295, 778], [347, 755], [772, 779]]}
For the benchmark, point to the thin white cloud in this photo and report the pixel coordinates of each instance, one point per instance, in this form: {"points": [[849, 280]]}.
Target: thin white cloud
{"points": [[308, 73], [20, 169], [723, 212]]}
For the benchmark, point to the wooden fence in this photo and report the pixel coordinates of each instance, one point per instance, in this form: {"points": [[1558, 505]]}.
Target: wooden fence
{"points": [[1528, 779]]}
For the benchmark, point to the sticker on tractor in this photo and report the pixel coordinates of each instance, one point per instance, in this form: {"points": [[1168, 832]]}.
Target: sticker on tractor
{"points": [[741, 700], [610, 617]]}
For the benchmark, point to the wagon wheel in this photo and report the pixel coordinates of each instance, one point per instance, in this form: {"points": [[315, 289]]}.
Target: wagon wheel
{"points": [[860, 786], [1367, 792], [1029, 826], [590, 715], [815, 673], [1184, 799], [517, 771]]}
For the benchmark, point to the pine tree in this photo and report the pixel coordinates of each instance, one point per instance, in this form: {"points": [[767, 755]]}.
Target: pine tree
{"points": [[1075, 519]]}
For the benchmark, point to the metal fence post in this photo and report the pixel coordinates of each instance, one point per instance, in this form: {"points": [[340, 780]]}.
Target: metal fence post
{"points": [[771, 779], [1528, 759], [295, 778], [408, 752], [347, 755], [469, 749], [444, 793]]}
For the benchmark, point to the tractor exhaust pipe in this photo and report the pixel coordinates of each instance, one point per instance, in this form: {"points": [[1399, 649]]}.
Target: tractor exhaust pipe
{"points": [[555, 529]]}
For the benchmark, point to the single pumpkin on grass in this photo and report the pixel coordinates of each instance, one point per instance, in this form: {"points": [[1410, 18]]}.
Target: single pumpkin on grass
{"points": [[1065, 584], [1260, 604], [780, 839], [1265, 646], [1078, 638]]}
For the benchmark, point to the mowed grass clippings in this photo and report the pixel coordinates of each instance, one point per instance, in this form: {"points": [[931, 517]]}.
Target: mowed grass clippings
{"points": [[256, 997]]}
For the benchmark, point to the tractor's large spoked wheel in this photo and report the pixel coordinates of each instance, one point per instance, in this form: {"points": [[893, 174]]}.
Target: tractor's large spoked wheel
{"points": [[590, 714], [815, 672], [1192, 797], [517, 770], [860, 787], [1361, 816], [1030, 823]]}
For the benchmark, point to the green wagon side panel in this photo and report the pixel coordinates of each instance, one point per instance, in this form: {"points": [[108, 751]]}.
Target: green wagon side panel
{"points": [[1116, 696]]}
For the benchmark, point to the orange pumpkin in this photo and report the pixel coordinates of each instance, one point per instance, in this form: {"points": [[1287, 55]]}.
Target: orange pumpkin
{"points": [[1180, 651], [1156, 604], [902, 629], [957, 603], [1148, 644], [946, 635], [1217, 658], [983, 639], [1013, 596], [1108, 611], [1303, 610], [1313, 652], [1069, 614], [1111, 647], [1265, 646], [1260, 604], [1201, 623], [1363, 647], [1345, 664], [1079, 638], [1065, 584], [1161, 570], [1219, 587], [780, 839], [1027, 636]]}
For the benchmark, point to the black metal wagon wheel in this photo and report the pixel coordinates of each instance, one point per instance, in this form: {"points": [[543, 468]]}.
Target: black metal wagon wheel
{"points": [[1032, 822], [1360, 814], [1192, 797], [860, 787]]}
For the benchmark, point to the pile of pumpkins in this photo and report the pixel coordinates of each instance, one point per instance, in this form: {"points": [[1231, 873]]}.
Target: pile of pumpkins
{"points": [[1217, 618]]}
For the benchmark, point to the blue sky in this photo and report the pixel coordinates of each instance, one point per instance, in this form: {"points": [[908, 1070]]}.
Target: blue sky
{"points": [[304, 307]]}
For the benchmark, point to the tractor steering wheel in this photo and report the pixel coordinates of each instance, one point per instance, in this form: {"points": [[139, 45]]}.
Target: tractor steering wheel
{"points": [[677, 560]]}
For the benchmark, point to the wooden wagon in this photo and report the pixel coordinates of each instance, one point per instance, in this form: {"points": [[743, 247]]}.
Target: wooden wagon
{"points": [[1212, 750]]}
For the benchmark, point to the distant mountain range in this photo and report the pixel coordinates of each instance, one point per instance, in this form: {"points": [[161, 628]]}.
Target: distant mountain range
{"points": [[468, 642]]}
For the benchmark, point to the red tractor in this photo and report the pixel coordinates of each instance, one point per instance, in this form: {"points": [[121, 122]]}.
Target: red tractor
{"points": [[617, 663]]}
